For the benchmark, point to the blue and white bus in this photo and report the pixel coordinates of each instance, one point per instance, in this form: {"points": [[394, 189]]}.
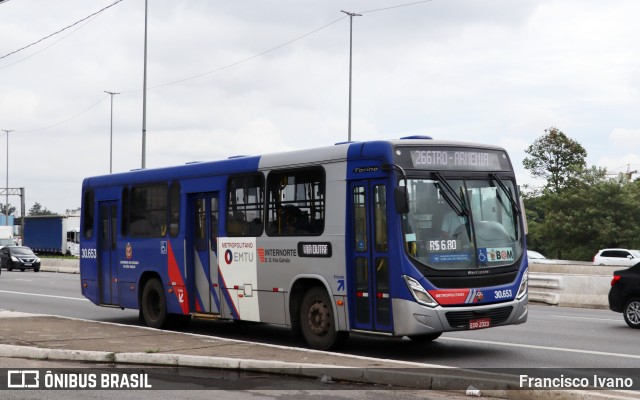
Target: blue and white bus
{"points": [[410, 237]]}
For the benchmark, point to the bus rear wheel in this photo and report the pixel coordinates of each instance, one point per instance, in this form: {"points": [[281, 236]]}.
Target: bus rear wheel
{"points": [[154, 304], [317, 321]]}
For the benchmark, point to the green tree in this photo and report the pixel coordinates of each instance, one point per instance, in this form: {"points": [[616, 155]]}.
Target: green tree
{"points": [[3, 209], [556, 158], [594, 212], [535, 210], [37, 209]]}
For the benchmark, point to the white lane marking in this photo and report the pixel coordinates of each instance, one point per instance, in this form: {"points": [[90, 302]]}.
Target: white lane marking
{"points": [[587, 318], [532, 346], [45, 295]]}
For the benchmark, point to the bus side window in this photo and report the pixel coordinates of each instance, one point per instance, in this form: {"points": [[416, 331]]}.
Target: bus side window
{"points": [[235, 224], [148, 211], [360, 218], [89, 210], [296, 203], [380, 197], [245, 196], [174, 209]]}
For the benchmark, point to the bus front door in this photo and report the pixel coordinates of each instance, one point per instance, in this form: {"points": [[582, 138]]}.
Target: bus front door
{"points": [[108, 280], [204, 233], [369, 270]]}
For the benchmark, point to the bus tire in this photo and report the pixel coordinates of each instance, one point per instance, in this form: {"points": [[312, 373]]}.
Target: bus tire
{"points": [[154, 304], [317, 321], [426, 338]]}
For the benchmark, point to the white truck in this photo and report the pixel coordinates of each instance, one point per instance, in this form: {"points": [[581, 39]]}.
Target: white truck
{"points": [[6, 236]]}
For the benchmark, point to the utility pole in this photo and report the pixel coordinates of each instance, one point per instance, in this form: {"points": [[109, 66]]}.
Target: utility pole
{"points": [[351, 15], [6, 205], [111, 134]]}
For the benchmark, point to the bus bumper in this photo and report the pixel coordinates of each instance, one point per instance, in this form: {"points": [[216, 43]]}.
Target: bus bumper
{"points": [[411, 318]]}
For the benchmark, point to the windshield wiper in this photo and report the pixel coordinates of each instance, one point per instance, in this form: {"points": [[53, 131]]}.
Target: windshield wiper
{"points": [[450, 194], [513, 202]]}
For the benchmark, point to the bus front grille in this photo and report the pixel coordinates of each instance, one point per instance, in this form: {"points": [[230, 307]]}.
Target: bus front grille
{"points": [[460, 319]]}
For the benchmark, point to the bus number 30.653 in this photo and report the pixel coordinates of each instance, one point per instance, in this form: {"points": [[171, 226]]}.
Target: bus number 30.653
{"points": [[89, 253]]}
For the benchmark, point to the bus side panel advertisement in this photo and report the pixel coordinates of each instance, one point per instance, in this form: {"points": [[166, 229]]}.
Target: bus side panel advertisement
{"points": [[239, 272]]}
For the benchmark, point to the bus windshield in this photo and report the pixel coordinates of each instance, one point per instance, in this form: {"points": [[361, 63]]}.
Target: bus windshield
{"points": [[462, 223]]}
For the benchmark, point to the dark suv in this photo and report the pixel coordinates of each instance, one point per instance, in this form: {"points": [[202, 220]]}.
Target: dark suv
{"points": [[19, 257], [624, 295]]}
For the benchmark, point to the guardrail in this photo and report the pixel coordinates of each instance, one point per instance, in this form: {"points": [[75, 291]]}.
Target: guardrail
{"points": [[555, 282]]}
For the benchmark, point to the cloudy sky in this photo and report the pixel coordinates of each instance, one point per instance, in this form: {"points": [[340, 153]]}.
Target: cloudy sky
{"points": [[248, 77]]}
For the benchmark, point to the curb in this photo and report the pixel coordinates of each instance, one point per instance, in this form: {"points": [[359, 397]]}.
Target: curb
{"points": [[383, 376], [500, 386]]}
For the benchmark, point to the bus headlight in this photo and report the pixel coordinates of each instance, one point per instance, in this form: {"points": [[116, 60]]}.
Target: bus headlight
{"points": [[419, 293], [524, 284]]}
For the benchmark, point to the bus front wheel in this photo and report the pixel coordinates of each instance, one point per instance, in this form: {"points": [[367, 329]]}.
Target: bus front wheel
{"points": [[154, 304], [317, 321]]}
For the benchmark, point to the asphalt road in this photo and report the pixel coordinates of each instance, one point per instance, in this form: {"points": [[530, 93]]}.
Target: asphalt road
{"points": [[556, 337]]}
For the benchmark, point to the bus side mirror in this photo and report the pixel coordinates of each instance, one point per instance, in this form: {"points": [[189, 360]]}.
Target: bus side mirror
{"points": [[401, 200]]}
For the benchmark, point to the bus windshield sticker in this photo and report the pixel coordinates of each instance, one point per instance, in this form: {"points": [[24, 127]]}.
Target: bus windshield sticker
{"points": [[163, 247], [448, 257], [495, 254]]}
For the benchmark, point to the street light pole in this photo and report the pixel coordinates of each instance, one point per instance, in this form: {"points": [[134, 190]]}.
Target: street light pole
{"points": [[144, 93], [111, 134], [351, 15], [6, 205]]}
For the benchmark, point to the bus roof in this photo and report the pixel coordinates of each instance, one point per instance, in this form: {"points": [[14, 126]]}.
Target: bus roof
{"points": [[381, 150]]}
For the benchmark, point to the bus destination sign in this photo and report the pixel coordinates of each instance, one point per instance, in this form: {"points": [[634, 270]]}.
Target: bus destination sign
{"points": [[461, 159]]}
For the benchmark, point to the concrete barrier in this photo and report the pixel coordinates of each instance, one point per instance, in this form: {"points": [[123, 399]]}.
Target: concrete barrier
{"points": [[590, 291], [570, 283], [66, 265], [572, 268]]}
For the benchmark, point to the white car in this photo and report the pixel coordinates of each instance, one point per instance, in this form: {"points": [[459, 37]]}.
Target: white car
{"points": [[537, 258], [534, 255], [617, 257]]}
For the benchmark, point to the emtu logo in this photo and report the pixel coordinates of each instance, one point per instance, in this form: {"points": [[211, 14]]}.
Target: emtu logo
{"points": [[228, 257]]}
